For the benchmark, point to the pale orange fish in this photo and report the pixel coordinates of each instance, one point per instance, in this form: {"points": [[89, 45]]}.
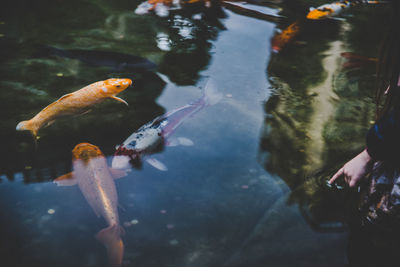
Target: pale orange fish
{"points": [[75, 103], [96, 182]]}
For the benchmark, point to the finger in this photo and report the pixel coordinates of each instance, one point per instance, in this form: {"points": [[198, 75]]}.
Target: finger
{"points": [[338, 174]]}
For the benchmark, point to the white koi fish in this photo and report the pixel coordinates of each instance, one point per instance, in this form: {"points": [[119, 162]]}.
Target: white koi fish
{"points": [[96, 182], [151, 137]]}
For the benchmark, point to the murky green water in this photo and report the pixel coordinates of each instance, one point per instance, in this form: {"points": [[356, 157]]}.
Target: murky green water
{"points": [[242, 195]]}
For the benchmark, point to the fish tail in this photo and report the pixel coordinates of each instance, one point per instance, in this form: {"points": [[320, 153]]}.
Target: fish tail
{"points": [[111, 239], [211, 94]]}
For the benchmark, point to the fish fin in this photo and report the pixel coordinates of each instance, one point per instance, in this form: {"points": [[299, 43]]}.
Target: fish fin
{"points": [[119, 100], [84, 112], [66, 180], [157, 164], [172, 142], [110, 237], [118, 173], [183, 141], [211, 94], [50, 123], [337, 19], [64, 97]]}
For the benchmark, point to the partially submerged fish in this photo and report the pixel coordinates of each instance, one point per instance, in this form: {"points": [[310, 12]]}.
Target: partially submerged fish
{"points": [[152, 136], [96, 182], [77, 102], [116, 61], [327, 10], [286, 36], [162, 7]]}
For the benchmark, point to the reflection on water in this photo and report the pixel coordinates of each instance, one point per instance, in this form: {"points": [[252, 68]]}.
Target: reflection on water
{"points": [[242, 194]]}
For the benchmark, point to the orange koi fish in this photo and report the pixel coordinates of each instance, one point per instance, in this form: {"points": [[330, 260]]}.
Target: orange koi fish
{"points": [[327, 10], [96, 182], [75, 103], [287, 35]]}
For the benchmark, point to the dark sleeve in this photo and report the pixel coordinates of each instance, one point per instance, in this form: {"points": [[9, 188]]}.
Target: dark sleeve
{"points": [[383, 138]]}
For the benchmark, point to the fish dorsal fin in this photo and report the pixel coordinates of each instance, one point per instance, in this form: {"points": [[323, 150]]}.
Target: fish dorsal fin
{"points": [[64, 97], [66, 180]]}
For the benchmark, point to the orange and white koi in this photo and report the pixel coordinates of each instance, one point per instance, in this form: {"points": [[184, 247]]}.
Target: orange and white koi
{"points": [[327, 10], [96, 182], [75, 103], [286, 36]]}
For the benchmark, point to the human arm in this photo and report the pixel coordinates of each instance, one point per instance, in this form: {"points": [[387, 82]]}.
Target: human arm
{"points": [[355, 169]]}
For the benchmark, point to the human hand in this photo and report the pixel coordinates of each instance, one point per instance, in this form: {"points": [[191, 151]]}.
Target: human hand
{"points": [[354, 170]]}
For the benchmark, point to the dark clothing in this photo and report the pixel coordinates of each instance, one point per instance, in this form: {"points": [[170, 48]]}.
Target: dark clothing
{"points": [[383, 139]]}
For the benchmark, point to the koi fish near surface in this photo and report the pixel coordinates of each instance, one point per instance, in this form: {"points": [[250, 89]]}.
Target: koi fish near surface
{"points": [[162, 7], [77, 102], [152, 136], [286, 36], [327, 10], [96, 182]]}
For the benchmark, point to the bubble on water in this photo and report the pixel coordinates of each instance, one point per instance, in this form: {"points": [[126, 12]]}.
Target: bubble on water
{"points": [[134, 221], [127, 224], [245, 186], [170, 226], [163, 211], [51, 211]]}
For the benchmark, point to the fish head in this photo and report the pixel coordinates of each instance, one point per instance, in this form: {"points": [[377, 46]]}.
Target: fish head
{"points": [[114, 86], [86, 152]]}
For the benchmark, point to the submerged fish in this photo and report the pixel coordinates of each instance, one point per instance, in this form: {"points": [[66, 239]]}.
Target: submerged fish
{"points": [[162, 7], [327, 10], [286, 36], [96, 182], [75, 103], [152, 136], [116, 61], [356, 61]]}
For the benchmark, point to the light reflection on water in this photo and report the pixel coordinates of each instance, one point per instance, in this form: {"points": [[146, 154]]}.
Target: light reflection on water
{"points": [[218, 204]]}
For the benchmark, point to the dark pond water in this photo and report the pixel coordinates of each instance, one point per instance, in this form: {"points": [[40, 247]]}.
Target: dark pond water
{"points": [[242, 194]]}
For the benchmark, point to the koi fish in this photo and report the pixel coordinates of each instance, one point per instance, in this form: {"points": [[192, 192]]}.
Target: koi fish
{"points": [[355, 61], [116, 61], [96, 182], [153, 136], [162, 7], [77, 102], [286, 36], [327, 10]]}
